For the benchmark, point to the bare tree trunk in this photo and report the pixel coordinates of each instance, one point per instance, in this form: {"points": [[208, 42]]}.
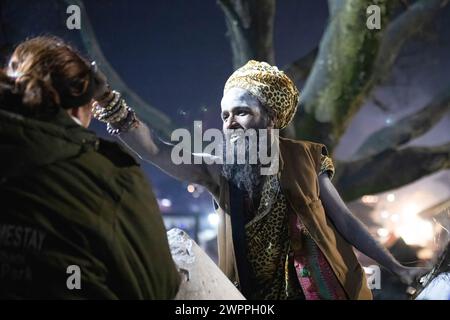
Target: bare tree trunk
{"points": [[299, 69], [389, 169], [406, 25], [250, 29], [353, 59], [408, 128], [343, 66]]}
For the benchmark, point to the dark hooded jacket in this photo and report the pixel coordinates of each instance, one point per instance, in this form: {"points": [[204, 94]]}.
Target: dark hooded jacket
{"points": [[78, 220]]}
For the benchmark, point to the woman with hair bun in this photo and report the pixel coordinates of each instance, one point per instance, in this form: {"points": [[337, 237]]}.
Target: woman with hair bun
{"points": [[78, 219], [44, 74]]}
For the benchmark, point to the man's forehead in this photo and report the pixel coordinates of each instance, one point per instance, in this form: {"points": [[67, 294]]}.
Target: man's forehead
{"points": [[237, 97]]}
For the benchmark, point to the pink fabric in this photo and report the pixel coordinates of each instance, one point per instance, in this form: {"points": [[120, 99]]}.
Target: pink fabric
{"points": [[319, 281]]}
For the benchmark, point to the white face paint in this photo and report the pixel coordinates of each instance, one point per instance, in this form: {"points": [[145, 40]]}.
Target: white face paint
{"points": [[242, 110], [245, 116]]}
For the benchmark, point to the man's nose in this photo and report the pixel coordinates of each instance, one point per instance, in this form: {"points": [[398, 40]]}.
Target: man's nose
{"points": [[231, 123]]}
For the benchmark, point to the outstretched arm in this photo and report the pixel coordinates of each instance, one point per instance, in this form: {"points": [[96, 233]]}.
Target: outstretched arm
{"points": [[150, 148], [142, 142], [354, 231]]}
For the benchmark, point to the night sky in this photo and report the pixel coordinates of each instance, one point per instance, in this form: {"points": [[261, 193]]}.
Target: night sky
{"points": [[176, 56]]}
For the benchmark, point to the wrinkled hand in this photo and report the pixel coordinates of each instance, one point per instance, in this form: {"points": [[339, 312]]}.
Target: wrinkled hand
{"points": [[101, 82]]}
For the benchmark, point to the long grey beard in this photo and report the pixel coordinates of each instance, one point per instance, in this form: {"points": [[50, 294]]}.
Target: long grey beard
{"points": [[246, 177]]}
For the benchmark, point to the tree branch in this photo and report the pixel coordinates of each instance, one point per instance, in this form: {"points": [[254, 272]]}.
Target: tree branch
{"points": [[230, 13], [409, 23], [156, 119], [408, 128], [300, 68], [336, 87], [379, 103], [333, 7], [343, 66], [250, 29], [237, 34], [389, 169]]}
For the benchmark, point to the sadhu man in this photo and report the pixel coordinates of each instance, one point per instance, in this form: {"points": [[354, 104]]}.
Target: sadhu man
{"points": [[284, 235]]}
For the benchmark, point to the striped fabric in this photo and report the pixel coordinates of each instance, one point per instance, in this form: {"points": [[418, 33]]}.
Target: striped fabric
{"points": [[313, 271]]}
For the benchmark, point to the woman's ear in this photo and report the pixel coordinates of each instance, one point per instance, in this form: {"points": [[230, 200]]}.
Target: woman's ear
{"points": [[83, 114]]}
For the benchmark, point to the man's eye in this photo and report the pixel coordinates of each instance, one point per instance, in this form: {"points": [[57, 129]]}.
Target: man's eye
{"points": [[224, 118], [242, 113]]}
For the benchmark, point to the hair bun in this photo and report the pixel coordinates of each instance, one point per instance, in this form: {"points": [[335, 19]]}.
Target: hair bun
{"points": [[76, 91], [52, 75], [36, 92]]}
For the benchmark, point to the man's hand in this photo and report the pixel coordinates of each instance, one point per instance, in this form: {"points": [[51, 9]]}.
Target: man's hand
{"points": [[410, 275]]}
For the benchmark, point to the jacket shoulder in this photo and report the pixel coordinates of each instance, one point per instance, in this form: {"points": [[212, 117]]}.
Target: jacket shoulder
{"points": [[116, 153], [304, 145], [303, 149]]}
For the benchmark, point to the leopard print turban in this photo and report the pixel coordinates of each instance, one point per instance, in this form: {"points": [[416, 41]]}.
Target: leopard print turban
{"points": [[271, 86]]}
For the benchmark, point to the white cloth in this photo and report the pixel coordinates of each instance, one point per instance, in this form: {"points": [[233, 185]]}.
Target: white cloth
{"points": [[438, 289]]}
